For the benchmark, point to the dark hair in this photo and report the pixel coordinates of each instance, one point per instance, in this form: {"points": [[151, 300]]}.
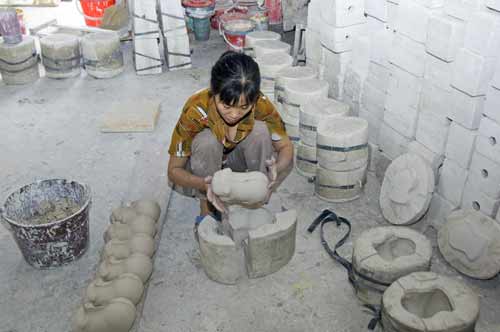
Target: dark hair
{"points": [[235, 75]]}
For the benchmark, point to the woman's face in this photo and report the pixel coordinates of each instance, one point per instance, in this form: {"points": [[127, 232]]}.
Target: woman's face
{"points": [[233, 114]]}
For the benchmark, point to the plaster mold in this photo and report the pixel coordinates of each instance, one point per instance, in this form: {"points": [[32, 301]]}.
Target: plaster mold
{"points": [[301, 92], [127, 285], [315, 112], [138, 243], [138, 264], [249, 243], [306, 161], [263, 47], [245, 188], [386, 254], [470, 242], [102, 55], [426, 301], [271, 246], [342, 143], [341, 13], [291, 74], [117, 316], [61, 55], [407, 189], [335, 186], [256, 36], [19, 63]]}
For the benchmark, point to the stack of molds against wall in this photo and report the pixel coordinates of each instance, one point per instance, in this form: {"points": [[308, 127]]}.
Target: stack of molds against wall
{"points": [[270, 65], [110, 300], [311, 115], [296, 94], [342, 154]]}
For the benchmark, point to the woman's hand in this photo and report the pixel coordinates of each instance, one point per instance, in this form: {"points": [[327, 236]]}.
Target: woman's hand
{"points": [[212, 197], [272, 174]]}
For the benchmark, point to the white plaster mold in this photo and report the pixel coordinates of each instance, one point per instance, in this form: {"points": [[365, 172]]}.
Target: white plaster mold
{"points": [[250, 243], [407, 190], [426, 301], [386, 254], [61, 55]]}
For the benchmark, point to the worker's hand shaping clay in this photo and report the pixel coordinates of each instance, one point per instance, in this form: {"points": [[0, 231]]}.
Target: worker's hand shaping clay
{"points": [[128, 285], [248, 188], [138, 264], [212, 197], [139, 243], [117, 316], [139, 225]]}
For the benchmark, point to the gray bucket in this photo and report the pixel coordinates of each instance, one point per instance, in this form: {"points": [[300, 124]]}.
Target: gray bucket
{"points": [[56, 241]]}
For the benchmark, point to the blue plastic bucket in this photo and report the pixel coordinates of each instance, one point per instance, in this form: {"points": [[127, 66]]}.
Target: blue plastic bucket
{"points": [[201, 28]]}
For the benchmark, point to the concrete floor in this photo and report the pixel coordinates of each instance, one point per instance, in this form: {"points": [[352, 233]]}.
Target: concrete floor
{"points": [[51, 129]]}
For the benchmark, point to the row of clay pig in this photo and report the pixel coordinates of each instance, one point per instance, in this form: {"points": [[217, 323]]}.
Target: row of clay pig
{"points": [[110, 300]]}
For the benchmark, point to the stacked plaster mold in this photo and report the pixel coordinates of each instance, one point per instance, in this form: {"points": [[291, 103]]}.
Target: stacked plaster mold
{"points": [[250, 242], [342, 153], [247, 250], [110, 300], [386, 254]]}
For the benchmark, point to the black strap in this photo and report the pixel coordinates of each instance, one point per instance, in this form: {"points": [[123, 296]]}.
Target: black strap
{"points": [[33, 55], [341, 148], [329, 216]]}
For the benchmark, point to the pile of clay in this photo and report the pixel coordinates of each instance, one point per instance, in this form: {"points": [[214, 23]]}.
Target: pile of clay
{"points": [[109, 303], [249, 242]]}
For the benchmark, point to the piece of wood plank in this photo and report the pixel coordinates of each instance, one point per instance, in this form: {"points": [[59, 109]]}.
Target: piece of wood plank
{"points": [[175, 36], [131, 116]]}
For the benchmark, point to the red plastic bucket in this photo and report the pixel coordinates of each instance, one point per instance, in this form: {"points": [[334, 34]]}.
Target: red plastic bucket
{"points": [[274, 7], [240, 11], [93, 10], [235, 32]]}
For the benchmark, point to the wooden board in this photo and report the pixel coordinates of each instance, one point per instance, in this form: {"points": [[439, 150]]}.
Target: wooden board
{"points": [[131, 116], [146, 36], [175, 37]]}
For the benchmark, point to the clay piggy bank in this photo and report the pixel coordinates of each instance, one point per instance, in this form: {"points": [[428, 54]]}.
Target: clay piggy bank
{"points": [[123, 214], [128, 286], [138, 264], [249, 188], [147, 208], [139, 243], [141, 224], [117, 316]]}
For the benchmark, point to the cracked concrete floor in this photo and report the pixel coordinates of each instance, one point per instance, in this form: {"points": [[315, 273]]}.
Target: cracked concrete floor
{"points": [[50, 129]]}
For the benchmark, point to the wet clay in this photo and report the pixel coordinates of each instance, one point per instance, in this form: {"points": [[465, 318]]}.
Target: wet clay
{"points": [[249, 188], [139, 243], [49, 211], [142, 224], [138, 264], [101, 292], [117, 316]]}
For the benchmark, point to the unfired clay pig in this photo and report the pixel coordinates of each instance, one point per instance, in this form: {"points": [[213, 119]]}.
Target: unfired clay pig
{"points": [[248, 188], [142, 224], [138, 243], [138, 264], [147, 207], [123, 214], [117, 316], [101, 292]]}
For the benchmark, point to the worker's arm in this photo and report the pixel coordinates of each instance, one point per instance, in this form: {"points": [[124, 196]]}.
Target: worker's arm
{"points": [[181, 177], [284, 161]]}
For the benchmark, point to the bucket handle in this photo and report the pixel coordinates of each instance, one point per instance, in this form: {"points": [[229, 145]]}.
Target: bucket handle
{"points": [[91, 18]]}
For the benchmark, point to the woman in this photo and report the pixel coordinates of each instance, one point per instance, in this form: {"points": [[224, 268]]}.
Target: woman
{"points": [[231, 124]]}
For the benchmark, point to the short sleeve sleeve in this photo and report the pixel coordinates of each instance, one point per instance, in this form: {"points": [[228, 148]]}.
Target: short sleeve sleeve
{"points": [[267, 112], [187, 127]]}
